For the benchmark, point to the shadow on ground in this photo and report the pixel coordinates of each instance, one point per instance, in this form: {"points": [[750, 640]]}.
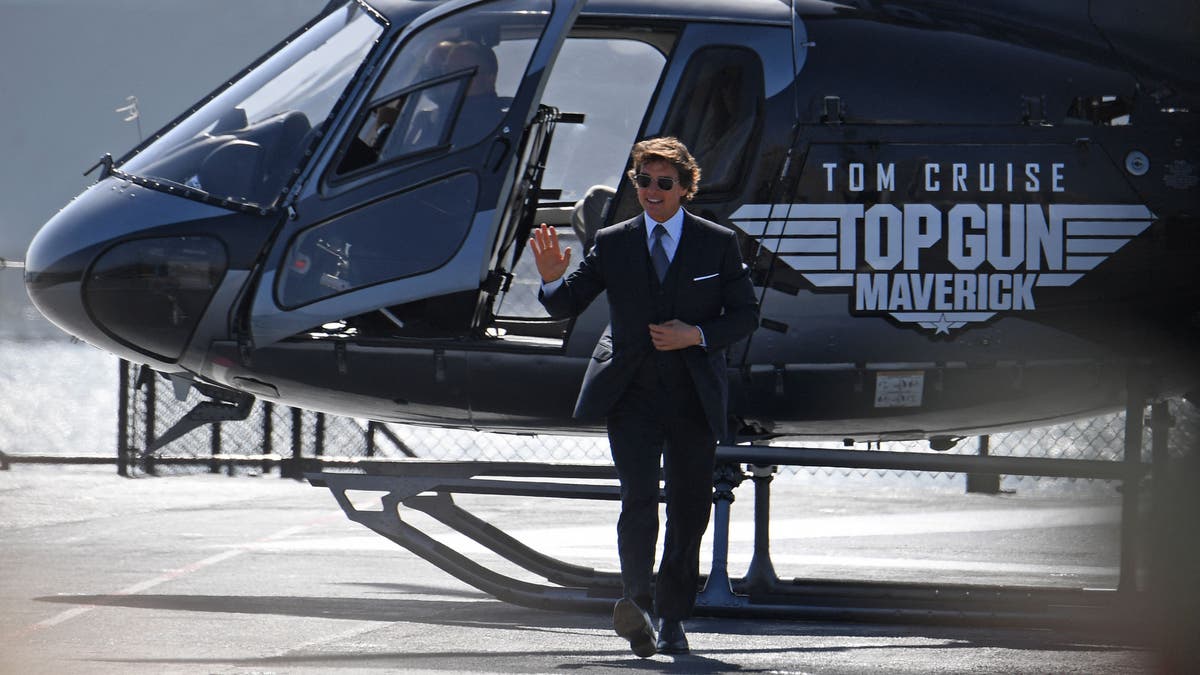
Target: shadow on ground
{"points": [[571, 637]]}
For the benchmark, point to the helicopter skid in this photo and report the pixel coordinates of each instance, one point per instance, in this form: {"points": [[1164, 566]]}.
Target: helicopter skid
{"points": [[429, 487]]}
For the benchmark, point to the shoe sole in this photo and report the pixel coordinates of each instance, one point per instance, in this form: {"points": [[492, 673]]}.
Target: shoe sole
{"points": [[630, 623]]}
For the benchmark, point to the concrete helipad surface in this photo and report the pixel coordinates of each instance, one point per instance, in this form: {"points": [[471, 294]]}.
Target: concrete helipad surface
{"points": [[210, 574]]}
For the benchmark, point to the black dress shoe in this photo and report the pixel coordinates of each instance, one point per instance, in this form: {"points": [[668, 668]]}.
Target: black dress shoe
{"points": [[633, 623], [671, 638]]}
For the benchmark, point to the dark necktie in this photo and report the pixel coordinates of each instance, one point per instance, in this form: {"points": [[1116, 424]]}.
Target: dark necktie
{"points": [[658, 254]]}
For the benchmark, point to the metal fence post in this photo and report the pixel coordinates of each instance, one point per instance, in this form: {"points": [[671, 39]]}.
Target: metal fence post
{"points": [[985, 483], [268, 431], [151, 383], [1160, 426], [124, 402], [214, 444], [1130, 489], [319, 435], [293, 467]]}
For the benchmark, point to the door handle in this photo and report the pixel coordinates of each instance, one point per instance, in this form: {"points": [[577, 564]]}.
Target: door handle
{"points": [[498, 151]]}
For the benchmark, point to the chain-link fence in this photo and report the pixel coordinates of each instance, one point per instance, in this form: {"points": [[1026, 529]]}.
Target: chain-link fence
{"points": [[273, 436]]}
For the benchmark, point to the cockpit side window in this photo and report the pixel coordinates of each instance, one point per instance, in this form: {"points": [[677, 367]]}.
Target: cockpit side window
{"points": [[716, 111], [414, 112], [448, 87]]}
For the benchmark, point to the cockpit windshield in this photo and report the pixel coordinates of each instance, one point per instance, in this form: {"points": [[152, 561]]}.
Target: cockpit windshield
{"points": [[244, 146]]}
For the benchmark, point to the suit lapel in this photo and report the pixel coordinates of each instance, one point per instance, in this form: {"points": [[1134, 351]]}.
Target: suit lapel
{"points": [[638, 222], [638, 255], [688, 250]]}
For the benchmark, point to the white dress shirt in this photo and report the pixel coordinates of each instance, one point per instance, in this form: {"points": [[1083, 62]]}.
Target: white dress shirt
{"points": [[670, 241]]}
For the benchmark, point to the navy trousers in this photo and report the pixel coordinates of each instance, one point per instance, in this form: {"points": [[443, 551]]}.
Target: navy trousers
{"points": [[659, 418]]}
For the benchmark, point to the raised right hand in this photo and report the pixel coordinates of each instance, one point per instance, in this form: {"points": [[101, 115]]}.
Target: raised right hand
{"points": [[551, 262]]}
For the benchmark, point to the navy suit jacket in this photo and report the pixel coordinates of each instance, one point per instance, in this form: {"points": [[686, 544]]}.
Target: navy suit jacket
{"points": [[712, 290]]}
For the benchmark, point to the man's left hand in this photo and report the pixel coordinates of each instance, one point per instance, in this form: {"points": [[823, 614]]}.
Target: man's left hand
{"points": [[673, 335]]}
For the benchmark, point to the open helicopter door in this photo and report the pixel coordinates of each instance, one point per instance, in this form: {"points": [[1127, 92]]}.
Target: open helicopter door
{"points": [[401, 212]]}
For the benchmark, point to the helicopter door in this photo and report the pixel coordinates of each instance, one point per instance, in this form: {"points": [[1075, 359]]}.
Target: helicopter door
{"points": [[405, 214]]}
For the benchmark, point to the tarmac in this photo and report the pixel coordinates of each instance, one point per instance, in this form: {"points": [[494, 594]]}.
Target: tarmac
{"points": [[212, 574]]}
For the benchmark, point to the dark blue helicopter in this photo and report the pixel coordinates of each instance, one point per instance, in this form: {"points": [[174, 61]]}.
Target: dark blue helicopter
{"points": [[958, 219]]}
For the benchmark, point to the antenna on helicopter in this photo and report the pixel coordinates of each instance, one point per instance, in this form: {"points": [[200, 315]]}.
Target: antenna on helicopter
{"points": [[132, 114]]}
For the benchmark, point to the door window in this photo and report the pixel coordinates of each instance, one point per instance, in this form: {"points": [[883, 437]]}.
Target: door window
{"points": [[411, 233], [716, 112], [449, 86], [610, 81], [407, 224]]}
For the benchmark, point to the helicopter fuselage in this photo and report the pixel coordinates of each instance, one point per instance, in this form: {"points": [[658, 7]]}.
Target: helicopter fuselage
{"points": [[956, 222]]}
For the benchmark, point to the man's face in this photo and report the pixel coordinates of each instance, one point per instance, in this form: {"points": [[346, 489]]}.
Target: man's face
{"points": [[660, 204], [484, 80]]}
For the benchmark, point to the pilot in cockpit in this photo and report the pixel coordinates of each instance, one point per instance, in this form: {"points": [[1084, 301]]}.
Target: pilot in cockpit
{"points": [[481, 108], [419, 122], [433, 102]]}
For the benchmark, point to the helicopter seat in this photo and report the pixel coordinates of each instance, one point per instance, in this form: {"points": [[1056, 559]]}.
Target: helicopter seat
{"points": [[285, 138], [590, 212], [232, 169]]}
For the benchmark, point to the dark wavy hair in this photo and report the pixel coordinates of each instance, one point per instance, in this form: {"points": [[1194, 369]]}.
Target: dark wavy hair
{"points": [[671, 150]]}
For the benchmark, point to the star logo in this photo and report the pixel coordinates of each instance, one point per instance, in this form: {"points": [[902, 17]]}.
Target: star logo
{"points": [[942, 325]]}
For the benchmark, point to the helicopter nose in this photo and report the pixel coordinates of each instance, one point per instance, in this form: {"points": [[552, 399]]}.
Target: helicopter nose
{"points": [[115, 269]]}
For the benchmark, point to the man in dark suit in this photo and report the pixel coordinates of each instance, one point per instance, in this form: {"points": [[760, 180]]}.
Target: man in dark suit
{"points": [[678, 295]]}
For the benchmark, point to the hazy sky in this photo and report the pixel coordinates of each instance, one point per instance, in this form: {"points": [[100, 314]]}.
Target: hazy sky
{"points": [[68, 64]]}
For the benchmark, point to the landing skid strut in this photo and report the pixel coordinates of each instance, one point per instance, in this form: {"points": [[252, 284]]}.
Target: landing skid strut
{"points": [[430, 486]]}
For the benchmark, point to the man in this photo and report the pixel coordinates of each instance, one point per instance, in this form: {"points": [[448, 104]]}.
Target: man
{"points": [[481, 109], [678, 295]]}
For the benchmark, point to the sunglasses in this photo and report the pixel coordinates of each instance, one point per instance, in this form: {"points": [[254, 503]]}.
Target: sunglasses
{"points": [[643, 180]]}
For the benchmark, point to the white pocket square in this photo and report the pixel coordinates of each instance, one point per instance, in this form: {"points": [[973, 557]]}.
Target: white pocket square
{"points": [[706, 276]]}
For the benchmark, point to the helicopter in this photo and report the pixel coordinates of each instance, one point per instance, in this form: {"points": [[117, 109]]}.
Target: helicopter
{"points": [[958, 219]]}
